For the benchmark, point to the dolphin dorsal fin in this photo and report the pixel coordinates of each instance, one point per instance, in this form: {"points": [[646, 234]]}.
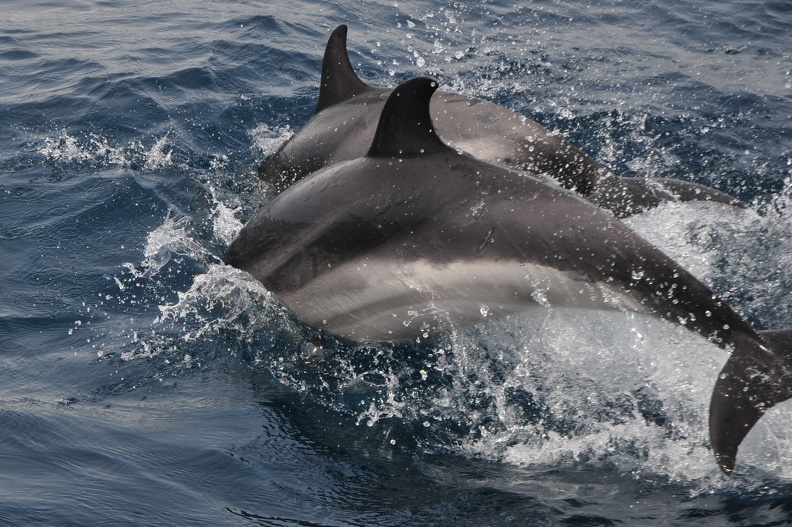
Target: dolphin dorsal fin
{"points": [[405, 126], [339, 80]]}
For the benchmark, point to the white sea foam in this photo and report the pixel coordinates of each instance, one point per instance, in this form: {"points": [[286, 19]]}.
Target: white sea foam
{"points": [[64, 147], [744, 256], [225, 224], [170, 239], [95, 149], [221, 298], [160, 155], [632, 391], [268, 139]]}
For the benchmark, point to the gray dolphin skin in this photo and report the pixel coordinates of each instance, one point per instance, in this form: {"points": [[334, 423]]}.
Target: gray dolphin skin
{"points": [[348, 111], [416, 235]]}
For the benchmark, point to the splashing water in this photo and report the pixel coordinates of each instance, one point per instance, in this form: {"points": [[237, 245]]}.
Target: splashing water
{"points": [[167, 241], [225, 225], [222, 298], [744, 256], [160, 155], [94, 150], [268, 140]]}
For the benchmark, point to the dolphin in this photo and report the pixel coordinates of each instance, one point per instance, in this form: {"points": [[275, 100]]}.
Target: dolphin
{"points": [[416, 234], [348, 111]]}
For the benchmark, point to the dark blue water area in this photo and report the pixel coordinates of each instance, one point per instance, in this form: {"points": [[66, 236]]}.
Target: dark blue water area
{"points": [[143, 382]]}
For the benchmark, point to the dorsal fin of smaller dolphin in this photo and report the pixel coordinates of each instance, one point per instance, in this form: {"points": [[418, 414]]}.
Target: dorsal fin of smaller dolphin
{"points": [[339, 80], [405, 127]]}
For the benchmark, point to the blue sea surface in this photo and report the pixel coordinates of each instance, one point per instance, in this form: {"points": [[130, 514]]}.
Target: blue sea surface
{"points": [[143, 382]]}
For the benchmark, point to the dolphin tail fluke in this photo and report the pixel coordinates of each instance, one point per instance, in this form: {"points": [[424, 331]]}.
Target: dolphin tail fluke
{"points": [[757, 376], [339, 80]]}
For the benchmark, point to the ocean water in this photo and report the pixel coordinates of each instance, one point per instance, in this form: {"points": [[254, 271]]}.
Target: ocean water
{"points": [[142, 382]]}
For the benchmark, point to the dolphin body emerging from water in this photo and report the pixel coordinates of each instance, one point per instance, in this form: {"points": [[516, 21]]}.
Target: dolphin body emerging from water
{"points": [[348, 111], [388, 246]]}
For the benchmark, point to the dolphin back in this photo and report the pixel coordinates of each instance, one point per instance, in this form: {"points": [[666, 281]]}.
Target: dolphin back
{"points": [[339, 80]]}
